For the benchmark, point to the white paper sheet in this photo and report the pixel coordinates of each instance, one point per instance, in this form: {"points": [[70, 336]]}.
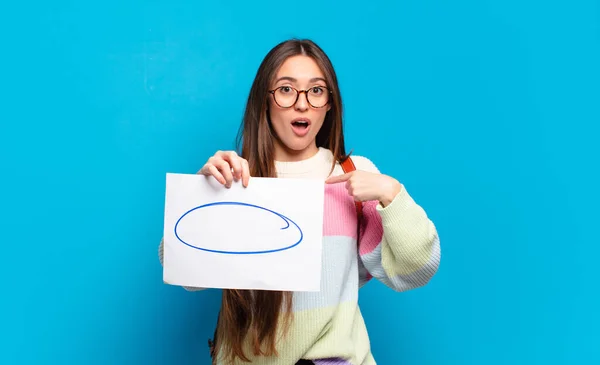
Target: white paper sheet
{"points": [[266, 236]]}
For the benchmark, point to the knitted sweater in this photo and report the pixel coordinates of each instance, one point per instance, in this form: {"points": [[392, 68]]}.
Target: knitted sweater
{"points": [[399, 246]]}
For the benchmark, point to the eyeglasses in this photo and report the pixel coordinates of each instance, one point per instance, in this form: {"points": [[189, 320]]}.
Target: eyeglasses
{"points": [[287, 96]]}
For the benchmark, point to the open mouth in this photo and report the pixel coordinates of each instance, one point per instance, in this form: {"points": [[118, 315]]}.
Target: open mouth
{"points": [[300, 126]]}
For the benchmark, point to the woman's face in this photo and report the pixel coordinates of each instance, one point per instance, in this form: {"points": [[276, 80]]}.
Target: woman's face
{"points": [[297, 123]]}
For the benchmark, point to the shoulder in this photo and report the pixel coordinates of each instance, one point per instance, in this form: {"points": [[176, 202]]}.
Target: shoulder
{"points": [[364, 164]]}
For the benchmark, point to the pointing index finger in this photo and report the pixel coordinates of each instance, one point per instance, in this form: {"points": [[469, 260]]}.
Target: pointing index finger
{"points": [[338, 179]]}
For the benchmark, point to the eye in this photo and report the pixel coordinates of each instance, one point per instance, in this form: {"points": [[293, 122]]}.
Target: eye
{"points": [[317, 90], [285, 89]]}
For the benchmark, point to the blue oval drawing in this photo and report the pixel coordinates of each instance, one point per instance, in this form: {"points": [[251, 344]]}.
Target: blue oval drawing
{"points": [[285, 219]]}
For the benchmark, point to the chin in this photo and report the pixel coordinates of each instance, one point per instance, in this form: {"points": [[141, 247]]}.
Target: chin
{"points": [[298, 145]]}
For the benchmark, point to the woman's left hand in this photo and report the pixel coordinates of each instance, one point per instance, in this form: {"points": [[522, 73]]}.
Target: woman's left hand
{"points": [[365, 186]]}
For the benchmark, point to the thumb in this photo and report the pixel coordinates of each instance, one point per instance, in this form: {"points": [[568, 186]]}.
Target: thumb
{"points": [[338, 179]]}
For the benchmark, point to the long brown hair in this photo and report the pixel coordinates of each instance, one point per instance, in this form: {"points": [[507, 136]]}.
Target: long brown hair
{"points": [[250, 318]]}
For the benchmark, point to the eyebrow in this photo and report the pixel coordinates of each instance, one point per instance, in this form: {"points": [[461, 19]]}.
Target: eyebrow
{"points": [[288, 78]]}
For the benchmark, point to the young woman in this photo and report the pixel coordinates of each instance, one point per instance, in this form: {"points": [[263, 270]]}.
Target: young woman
{"points": [[292, 127]]}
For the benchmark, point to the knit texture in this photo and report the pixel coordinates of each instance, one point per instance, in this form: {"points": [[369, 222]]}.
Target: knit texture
{"points": [[399, 246]]}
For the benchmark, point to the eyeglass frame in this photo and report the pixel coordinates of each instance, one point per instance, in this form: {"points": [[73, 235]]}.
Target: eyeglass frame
{"points": [[298, 92]]}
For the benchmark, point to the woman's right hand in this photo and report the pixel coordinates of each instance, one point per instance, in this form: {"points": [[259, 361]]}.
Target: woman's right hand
{"points": [[221, 164]]}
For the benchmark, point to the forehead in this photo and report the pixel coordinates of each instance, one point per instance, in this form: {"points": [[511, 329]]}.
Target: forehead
{"points": [[300, 67]]}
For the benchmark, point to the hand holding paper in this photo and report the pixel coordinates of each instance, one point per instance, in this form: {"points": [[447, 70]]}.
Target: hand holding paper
{"points": [[227, 166]]}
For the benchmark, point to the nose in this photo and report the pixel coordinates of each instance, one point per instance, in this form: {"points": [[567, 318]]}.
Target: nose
{"points": [[302, 102]]}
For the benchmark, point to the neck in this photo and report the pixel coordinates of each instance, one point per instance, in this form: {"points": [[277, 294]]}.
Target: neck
{"points": [[285, 154], [317, 165]]}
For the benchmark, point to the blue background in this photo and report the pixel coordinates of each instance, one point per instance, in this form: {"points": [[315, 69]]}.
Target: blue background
{"points": [[487, 111]]}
